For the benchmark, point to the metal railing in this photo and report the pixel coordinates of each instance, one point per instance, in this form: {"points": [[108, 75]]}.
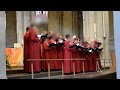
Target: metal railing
{"points": [[73, 64]]}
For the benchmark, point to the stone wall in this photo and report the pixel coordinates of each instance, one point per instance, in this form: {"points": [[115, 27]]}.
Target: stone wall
{"points": [[2, 45], [10, 28]]}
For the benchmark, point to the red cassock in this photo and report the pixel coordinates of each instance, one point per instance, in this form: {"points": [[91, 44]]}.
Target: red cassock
{"points": [[94, 61], [53, 55], [42, 51], [60, 55], [98, 57], [67, 55], [76, 55], [83, 55], [46, 55], [26, 52], [34, 45], [89, 61]]}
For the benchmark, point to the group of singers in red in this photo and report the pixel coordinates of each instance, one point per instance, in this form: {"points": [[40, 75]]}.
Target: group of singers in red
{"points": [[53, 46]]}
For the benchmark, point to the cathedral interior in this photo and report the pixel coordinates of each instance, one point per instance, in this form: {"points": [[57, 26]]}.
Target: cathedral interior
{"points": [[89, 24]]}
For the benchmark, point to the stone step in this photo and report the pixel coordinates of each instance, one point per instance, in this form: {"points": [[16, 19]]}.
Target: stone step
{"points": [[36, 75], [105, 74], [14, 71], [18, 73]]}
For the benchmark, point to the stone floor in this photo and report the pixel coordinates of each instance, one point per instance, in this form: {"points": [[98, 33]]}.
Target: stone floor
{"points": [[17, 73], [88, 75]]}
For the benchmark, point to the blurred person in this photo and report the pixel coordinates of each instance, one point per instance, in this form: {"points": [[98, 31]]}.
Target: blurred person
{"points": [[26, 51], [60, 51], [34, 48], [46, 54], [76, 55], [67, 55], [53, 52]]}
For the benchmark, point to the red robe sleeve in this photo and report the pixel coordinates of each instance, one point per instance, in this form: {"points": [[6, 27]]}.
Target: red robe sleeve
{"points": [[50, 41], [33, 36], [45, 46]]}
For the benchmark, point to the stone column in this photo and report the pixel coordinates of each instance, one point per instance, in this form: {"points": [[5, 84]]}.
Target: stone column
{"points": [[32, 15], [53, 21], [91, 25], [112, 49], [86, 29], [74, 23], [99, 29], [67, 22], [27, 19], [107, 42], [60, 22], [10, 28], [2, 45], [116, 19], [20, 26]]}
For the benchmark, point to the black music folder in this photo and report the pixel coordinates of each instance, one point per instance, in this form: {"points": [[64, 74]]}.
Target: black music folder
{"points": [[44, 36], [60, 44], [51, 45], [72, 46]]}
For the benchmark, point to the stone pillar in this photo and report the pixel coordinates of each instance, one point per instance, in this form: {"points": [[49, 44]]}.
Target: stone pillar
{"points": [[112, 47], [32, 15], [67, 22], [2, 45], [10, 28], [91, 28], [20, 26], [107, 41], [74, 23], [116, 19], [84, 23], [60, 22], [88, 25], [27, 19], [99, 29], [53, 21]]}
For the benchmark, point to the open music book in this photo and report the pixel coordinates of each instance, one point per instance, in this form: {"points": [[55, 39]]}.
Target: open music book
{"points": [[60, 44], [51, 45]]}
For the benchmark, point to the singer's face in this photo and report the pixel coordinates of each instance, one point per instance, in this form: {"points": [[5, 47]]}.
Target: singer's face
{"points": [[75, 41], [45, 32], [96, 45], [69, 39], [46, 40], [92, 44], [36, 30], [59, 39]]}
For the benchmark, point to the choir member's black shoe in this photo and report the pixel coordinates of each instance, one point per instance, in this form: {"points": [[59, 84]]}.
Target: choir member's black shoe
{"points": [[52, 69], [81, 72], [27, 72], [36, 72], [77, 72], [67, 73], [90, 71]]}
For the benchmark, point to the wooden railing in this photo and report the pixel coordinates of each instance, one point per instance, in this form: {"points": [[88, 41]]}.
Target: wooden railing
{"points": [[81, 59]]}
